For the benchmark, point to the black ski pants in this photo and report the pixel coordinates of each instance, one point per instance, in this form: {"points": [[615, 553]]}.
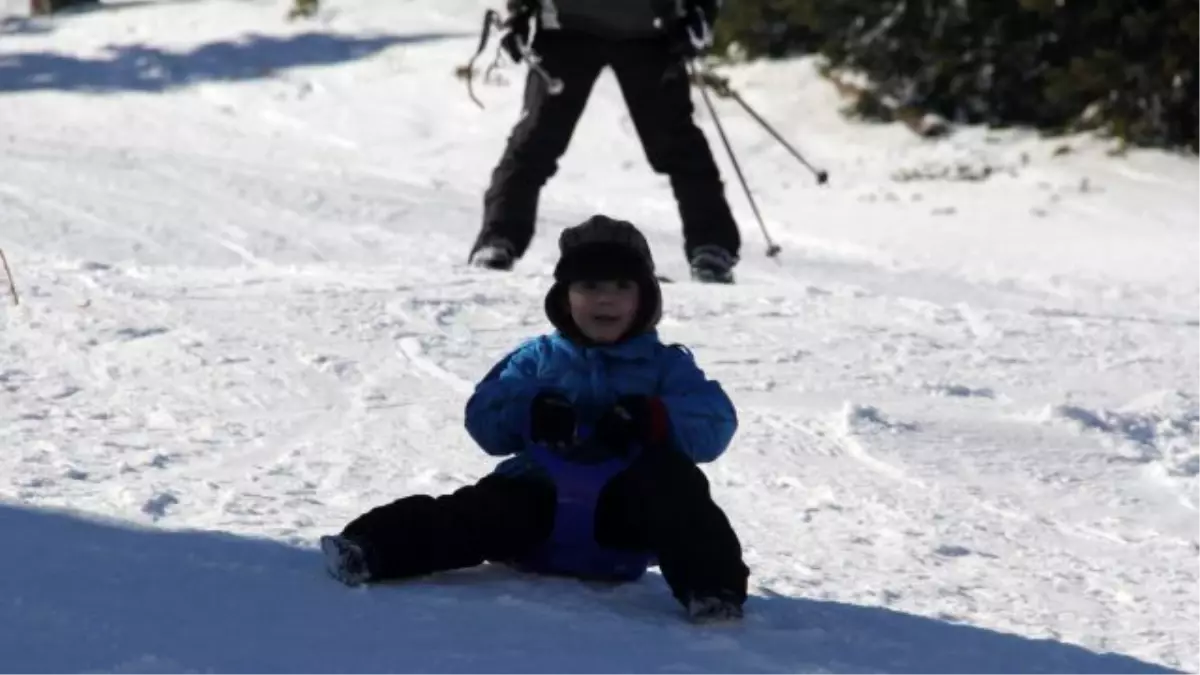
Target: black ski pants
{"points": [[654, 83], [661, 504]]}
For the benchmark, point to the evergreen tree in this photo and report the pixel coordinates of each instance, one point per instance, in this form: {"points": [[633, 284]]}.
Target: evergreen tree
{"points": [[1127, 67]]}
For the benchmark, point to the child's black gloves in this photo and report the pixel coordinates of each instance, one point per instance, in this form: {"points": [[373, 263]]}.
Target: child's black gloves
{"points": [[632, 420], [551, 420]]}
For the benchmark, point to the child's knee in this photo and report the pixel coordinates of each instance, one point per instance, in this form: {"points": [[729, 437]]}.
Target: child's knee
{"points": [[670, 471]]}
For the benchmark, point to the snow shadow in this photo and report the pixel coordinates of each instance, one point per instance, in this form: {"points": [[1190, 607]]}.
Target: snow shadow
{"points": [[844, 637], [109, 6], [81, 594], [141, 68]]}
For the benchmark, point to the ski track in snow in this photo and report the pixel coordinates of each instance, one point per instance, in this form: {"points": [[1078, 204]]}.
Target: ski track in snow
{"points": [[968, 437]]}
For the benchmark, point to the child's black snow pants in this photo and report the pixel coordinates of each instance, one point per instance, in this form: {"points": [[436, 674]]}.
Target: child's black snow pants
{"points": [[661, 504], [655, 84]]}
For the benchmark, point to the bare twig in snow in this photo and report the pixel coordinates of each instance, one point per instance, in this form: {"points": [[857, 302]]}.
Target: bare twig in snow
{"points": [[12, 286]]}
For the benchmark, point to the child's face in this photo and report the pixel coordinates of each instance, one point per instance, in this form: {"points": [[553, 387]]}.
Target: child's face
{"points": [[603, 310]]}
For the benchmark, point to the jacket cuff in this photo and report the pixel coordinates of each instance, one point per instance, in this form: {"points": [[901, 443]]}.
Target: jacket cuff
{"points": [[658, 422], [520, 406]]}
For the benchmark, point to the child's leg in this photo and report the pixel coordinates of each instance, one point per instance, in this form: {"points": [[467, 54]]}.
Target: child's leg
{"points": [[497, 519], [662, 503]]}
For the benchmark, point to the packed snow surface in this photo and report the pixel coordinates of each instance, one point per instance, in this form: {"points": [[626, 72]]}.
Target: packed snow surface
{"points": [[967, 388]]}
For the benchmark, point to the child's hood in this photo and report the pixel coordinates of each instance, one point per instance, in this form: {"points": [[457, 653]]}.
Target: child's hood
{"points": [[601, 249]]}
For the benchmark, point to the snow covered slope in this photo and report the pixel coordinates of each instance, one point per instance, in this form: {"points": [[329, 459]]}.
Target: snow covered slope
{"points": [[968, 407]]}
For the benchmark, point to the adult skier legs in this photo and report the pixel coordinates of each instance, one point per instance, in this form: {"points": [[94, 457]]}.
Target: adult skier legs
{"points": [[537, 142], [655, 85], [647, 50]]}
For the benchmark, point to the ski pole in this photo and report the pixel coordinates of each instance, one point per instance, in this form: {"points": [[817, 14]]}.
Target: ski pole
{"points": [[721, 86], [821, 175], [490, 18], [553, 84], [773, 249], [515, 47]]}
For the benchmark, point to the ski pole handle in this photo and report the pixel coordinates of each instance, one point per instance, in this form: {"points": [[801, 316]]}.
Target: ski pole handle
{"points": [[553, 84]]}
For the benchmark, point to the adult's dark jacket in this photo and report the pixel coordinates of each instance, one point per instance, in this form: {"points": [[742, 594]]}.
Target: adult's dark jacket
{"points": [[617, 19]]}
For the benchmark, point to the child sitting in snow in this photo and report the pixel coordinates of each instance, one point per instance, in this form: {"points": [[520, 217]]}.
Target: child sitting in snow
{"points": [[604, 369]]}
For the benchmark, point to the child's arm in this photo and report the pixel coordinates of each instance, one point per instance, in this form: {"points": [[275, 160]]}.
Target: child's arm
{"points": [[702, 418], [497, 414]]}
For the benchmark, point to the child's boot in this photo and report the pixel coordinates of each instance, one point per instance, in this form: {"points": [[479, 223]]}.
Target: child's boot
{"points": [[713, 607], [345, 560]]}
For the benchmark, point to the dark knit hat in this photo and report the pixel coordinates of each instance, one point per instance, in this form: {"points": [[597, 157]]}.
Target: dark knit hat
{"points": [[604, 249]]}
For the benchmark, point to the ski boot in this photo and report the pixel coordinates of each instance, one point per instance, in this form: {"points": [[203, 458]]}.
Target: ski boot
{"points": [[712, 265], [497, 255]]}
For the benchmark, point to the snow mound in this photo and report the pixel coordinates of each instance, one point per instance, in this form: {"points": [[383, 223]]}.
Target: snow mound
{"points": [[953, 390], [1159, 428], [856, 418]]}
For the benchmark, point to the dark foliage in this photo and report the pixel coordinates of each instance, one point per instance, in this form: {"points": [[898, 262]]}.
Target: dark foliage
{"points": [[1126, 67]]}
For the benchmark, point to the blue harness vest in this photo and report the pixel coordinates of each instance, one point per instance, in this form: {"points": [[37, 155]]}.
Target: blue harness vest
{"points": [[572, 549]]}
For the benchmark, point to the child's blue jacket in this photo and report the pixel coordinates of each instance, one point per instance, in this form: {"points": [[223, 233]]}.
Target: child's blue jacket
{"points": [[702, 418]]}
